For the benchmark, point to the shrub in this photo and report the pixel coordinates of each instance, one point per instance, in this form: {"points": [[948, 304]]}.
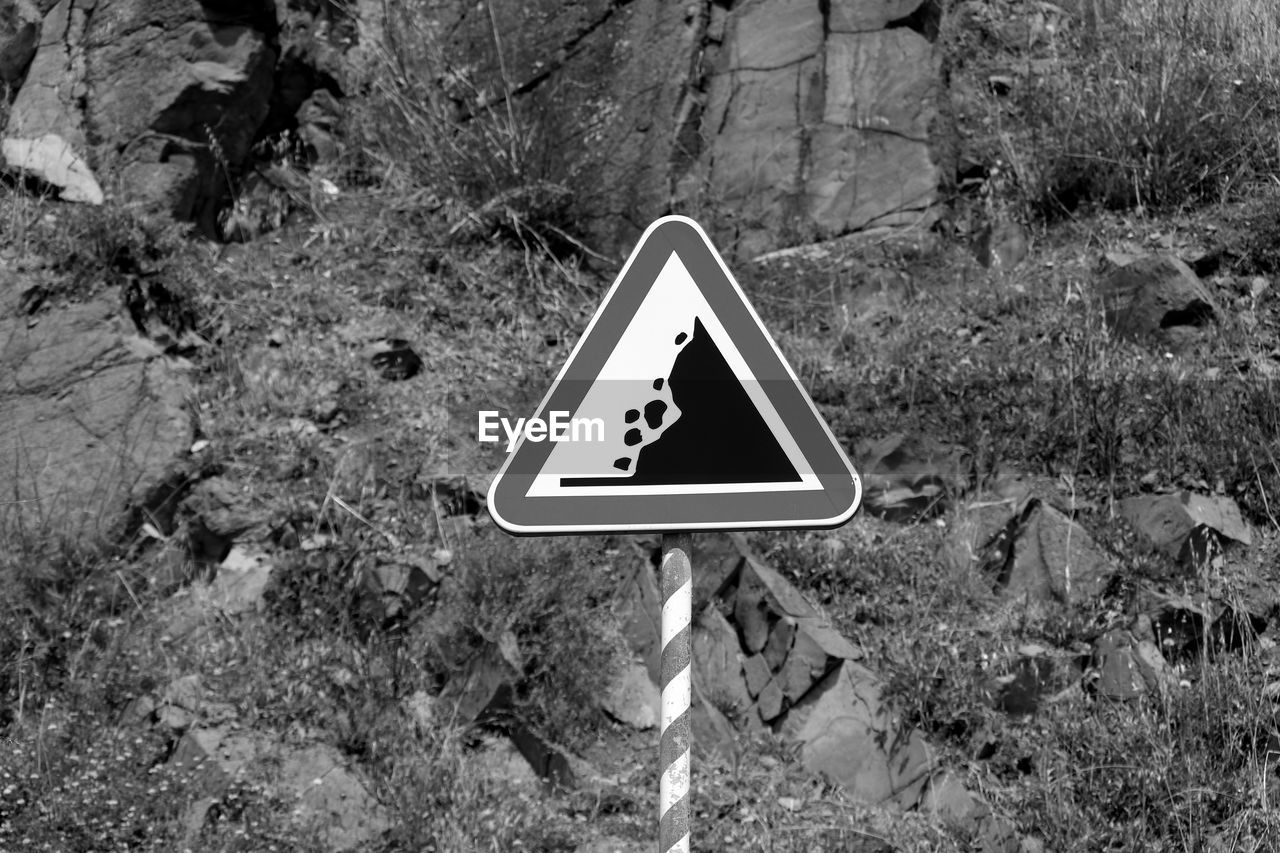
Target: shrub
{"points": [[552, 596], [432, 121], [1166, 103], [441, 802], [1184, 772], [1072, 403], [545, 601], [93, 247]]}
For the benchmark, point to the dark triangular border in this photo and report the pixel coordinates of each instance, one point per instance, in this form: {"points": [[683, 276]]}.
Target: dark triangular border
{"points": [[830, 506]]}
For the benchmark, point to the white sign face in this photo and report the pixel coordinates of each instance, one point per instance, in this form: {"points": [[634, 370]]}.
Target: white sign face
{"points": [[679, 413], [648, 348]]}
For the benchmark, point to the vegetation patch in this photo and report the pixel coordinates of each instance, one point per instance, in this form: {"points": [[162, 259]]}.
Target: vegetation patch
{"points": [[387, 590]]}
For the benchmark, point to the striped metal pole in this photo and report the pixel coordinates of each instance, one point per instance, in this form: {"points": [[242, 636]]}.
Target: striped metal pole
{"points": [[677, 693]]}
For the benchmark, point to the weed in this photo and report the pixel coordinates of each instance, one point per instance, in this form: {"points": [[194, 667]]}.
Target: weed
{"points": [[442, 803], [432, 121], [1020, 372], [1165, 104], [553, 598], [73, 784], [1067, 402], [1202, 772], [86, 243], [72, 778], [762, 800]]}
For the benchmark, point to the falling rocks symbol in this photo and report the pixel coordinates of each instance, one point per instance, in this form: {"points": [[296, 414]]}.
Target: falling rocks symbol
{"points": [[719, 437], [694, 419]]}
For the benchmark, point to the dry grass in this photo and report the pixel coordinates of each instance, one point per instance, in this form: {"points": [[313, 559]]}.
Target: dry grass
{"points": [[1246, 32], [1155, 104], [1031, 338], [1016, 366], [435, 121]]}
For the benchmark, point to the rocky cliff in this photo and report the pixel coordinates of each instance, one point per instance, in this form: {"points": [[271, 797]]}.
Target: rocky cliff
{"points": [[776, 121]]}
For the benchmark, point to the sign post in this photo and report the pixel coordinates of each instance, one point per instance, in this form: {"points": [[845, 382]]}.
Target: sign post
{"points": [[677, 692], [676, 412]]}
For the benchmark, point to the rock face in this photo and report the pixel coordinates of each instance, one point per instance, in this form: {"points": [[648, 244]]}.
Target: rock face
{"points": [[46, 133], [19, 35], [789, 120], [801, 119], [92, 419], [820, 116], [163, 97]]}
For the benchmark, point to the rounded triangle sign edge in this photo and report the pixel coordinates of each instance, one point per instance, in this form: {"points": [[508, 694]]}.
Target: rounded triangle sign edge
{"points": [[674, 271]]}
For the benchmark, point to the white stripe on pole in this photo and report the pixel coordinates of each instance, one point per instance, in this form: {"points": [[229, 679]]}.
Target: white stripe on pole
{"points": [[676, 613], [677, 693], [675, 782]]}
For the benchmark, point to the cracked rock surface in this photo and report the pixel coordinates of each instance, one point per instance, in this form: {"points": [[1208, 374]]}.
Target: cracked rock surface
{"points": [[780, 122], [92, 419], [154, 94], [798, 119]]}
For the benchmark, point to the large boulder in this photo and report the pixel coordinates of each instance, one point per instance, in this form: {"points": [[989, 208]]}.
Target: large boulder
{"points": [[45, 135], [160, 99], [1048, 555], [93, 420], [19, 34], [1028, 547], [788, 646], [633, 698], [1157, 299], [797, 119], [848, 734], [946, 799], [329, 798]]}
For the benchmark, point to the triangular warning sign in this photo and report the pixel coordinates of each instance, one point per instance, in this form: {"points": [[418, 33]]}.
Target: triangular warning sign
{"points": [[675, 411]]}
